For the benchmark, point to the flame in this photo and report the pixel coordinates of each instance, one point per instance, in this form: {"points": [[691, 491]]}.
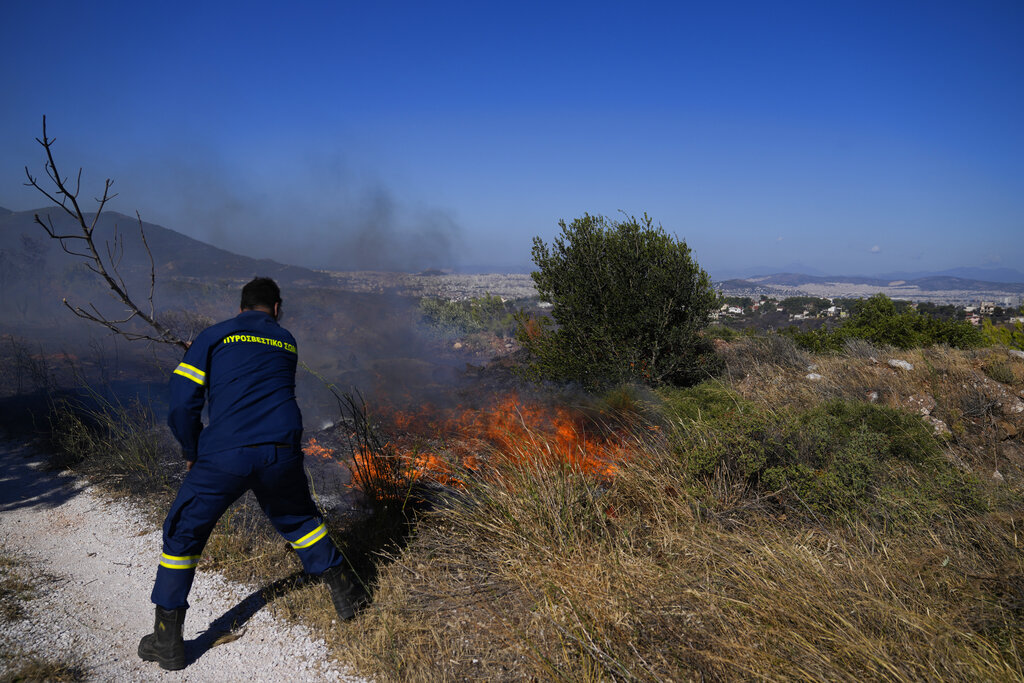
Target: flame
{"points": [[314, 448], [523, 431]]}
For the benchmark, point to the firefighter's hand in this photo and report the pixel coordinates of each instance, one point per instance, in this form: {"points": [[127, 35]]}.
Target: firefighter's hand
{"points": [[188, 464]]}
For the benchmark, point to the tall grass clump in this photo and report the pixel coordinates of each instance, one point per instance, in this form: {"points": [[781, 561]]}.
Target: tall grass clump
{"points": [[117, 441]]}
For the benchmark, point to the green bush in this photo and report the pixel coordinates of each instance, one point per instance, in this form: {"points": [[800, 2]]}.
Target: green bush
{"points": [[1000, 372], [841, 459], [628, 305], [482, 314], [1003, 335], [880, 320], [710, 400]]}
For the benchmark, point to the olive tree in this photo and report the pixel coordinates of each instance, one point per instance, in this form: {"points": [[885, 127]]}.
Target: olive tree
{"points": [[628, 304]]}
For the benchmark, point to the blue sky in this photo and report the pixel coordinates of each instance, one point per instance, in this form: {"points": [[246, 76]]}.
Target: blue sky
{"points": [[852, 137]]}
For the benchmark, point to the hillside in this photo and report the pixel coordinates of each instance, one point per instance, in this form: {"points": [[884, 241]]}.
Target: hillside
{"points": [[174, 254]]}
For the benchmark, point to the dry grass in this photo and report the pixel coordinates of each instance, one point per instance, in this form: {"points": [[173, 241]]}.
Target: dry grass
{"points": [[25, 667], [539, 572], [17, 664], [543, 575], [15, 588]]}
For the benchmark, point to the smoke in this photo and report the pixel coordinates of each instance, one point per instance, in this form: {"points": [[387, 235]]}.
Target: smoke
{"points": [[318, 211]]}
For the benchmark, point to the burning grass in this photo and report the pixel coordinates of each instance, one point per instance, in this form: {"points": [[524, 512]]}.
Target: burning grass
{"points": [[871, 552], [762, 526]]}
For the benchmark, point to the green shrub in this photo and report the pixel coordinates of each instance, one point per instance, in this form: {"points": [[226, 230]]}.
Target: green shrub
{"points": [[1003, 335], [710, 400], [629, 301], [722, 332], [1000, 371], [482, 314], [838, 459], [880, 320]]}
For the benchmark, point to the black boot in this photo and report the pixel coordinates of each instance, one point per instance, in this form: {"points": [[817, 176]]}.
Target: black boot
{"points": [[348, 597], [165, 645]]}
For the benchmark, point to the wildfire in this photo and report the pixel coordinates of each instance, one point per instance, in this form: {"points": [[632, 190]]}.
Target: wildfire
{"points": [[521, 430], [314, 448]]}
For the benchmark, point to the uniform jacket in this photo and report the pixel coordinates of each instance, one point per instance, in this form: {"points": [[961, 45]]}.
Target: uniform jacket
{"points": [[244, 368]]}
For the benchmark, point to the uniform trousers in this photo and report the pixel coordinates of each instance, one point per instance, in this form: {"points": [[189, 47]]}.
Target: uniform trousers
{"points": [[275, 475]]}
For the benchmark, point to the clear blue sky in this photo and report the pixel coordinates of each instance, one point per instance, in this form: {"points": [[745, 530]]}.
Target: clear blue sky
{"points": [[854, 137]]}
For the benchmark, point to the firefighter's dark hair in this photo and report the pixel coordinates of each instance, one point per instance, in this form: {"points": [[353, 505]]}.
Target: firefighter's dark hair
{"points": [[262, 292]]}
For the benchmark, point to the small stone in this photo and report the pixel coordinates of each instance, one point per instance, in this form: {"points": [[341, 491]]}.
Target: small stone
{"points": [[1007, 430], [998, 476], [921, 403], [938, 426], [901, 364], [872, 397], [812, 367], [874, 361], [1017, 354], [814, 377]]}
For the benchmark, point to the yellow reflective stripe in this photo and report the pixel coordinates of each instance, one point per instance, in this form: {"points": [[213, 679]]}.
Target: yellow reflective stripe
{"points": [[191, 372], [310, 538], [179, 561]]}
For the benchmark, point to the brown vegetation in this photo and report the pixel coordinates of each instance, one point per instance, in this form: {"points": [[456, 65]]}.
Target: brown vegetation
{"points": [[693, 562]]}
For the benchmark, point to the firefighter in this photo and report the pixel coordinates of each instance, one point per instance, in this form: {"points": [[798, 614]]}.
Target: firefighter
{"points": [[244, 369]]}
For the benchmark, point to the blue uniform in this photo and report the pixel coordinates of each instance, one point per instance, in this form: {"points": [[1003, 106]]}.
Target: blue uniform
{"points": [[244, 369]]}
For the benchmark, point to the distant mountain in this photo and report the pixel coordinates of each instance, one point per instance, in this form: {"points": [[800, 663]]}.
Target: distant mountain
{"points": [[791, 275], [755, 271], [932, 287], [174, 254], [4, 212]]}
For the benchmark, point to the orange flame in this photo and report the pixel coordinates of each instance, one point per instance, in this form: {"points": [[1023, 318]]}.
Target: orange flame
{"points": [[523, 431], [313, 448]]}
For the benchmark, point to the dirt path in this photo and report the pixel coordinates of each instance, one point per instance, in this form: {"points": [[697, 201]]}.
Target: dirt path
{"points": [[95, 560]]}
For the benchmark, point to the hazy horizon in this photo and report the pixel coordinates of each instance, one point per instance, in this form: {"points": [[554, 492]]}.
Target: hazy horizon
{"points": [[854, 138]]}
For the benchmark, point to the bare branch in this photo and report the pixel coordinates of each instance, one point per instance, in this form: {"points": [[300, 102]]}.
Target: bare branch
{"points": [[152, 266], [108, 270]]}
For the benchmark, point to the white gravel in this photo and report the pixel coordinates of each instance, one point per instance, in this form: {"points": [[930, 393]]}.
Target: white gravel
{"points": [[95, 561]]}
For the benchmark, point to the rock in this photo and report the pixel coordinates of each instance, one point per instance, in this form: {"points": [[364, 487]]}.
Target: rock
{"points": [[814, 377], [872, 397], [921, 403], [998, 476], [874, 361], [1006, 430], [901, 364], [938, 426], [457, 345], [1017, 354], [1015, 408], [812, 367]]}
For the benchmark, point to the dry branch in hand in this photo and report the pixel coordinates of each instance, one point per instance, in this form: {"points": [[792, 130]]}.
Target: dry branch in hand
{"points": [[83, 245]]}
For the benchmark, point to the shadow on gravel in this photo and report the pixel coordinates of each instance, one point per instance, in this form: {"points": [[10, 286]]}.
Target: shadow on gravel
{"points": [[22, 485], [231, 622]]}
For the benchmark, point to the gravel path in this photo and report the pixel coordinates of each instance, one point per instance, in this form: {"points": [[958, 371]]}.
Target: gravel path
{"points": [[95, 560]]}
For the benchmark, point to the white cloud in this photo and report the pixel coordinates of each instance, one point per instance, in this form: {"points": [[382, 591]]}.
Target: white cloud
{"points": [[876, 249]]}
